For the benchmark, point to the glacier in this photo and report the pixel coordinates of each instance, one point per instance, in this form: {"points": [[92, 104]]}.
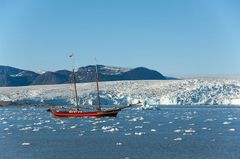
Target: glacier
{"points": [[149, 92]]}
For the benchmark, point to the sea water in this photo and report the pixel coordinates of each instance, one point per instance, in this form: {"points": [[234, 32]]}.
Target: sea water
{"points": [[166, 132]]}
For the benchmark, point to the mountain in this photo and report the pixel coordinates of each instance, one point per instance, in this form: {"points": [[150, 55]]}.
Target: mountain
{"points": [[50, 78], [10, 76], [142, 73], [7, 70], [106, 73]]}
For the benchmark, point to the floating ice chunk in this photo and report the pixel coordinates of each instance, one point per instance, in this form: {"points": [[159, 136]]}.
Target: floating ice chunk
{"points": [[188, 117], [119, 144], [209, 120], [146, 122], [138, 127], [178, 139], [117, 123], [136, 119], [106, 127], [97, 122], [73, 127], [227, 122], [232, 129], [139, 133], [48, 127], [177, 131], [109, 129], [39, 123], [190, 130], [25, 128], [94, 130], [60, 122], [36, 129], [113, 129], [26, 144]]}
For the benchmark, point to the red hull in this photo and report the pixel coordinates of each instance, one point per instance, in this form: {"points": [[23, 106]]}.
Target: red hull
{"points": [[110, 113]]}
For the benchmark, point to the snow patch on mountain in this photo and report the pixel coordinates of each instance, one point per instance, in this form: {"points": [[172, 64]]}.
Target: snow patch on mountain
{"points": [[150, 93], [17, 75], [110, 70]]}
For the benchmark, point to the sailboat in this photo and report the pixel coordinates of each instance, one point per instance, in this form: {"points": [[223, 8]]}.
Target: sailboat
{"points": [[77, 112]]}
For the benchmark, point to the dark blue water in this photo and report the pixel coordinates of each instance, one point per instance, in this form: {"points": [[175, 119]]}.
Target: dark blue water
{"points": [[169, 132]]}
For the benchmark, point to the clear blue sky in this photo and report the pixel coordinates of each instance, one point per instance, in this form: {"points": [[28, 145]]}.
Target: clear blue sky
{"points": [[176, 37]]}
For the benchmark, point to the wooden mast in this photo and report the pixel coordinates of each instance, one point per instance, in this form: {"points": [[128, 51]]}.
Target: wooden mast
{"points": [[98, 95], [75, 89]]}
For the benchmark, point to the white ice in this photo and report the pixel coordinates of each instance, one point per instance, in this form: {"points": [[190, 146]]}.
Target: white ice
{"points": [[149, 92]]}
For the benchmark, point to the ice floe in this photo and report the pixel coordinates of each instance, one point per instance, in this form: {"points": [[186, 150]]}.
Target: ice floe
{"points": [[139, 133], [109, 129], [26, 144], [227, 122], [178, 139], [232, 129], [119, 144]]}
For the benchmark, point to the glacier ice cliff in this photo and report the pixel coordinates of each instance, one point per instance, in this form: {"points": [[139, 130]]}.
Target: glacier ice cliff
{"points": [[150, 93]]}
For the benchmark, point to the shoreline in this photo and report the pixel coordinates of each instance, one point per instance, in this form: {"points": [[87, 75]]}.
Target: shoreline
{"points": [[13, 103]]}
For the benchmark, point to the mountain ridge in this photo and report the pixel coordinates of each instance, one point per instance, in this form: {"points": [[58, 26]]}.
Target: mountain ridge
{"points": [[11, 76]]}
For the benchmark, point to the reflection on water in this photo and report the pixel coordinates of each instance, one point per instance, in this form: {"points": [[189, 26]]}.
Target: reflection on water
{"points": [[168, 132]]}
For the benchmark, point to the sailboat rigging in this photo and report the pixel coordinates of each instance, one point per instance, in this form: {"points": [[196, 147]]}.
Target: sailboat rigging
{"points": [[75, 89], [99, 112], [98, 95]]}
